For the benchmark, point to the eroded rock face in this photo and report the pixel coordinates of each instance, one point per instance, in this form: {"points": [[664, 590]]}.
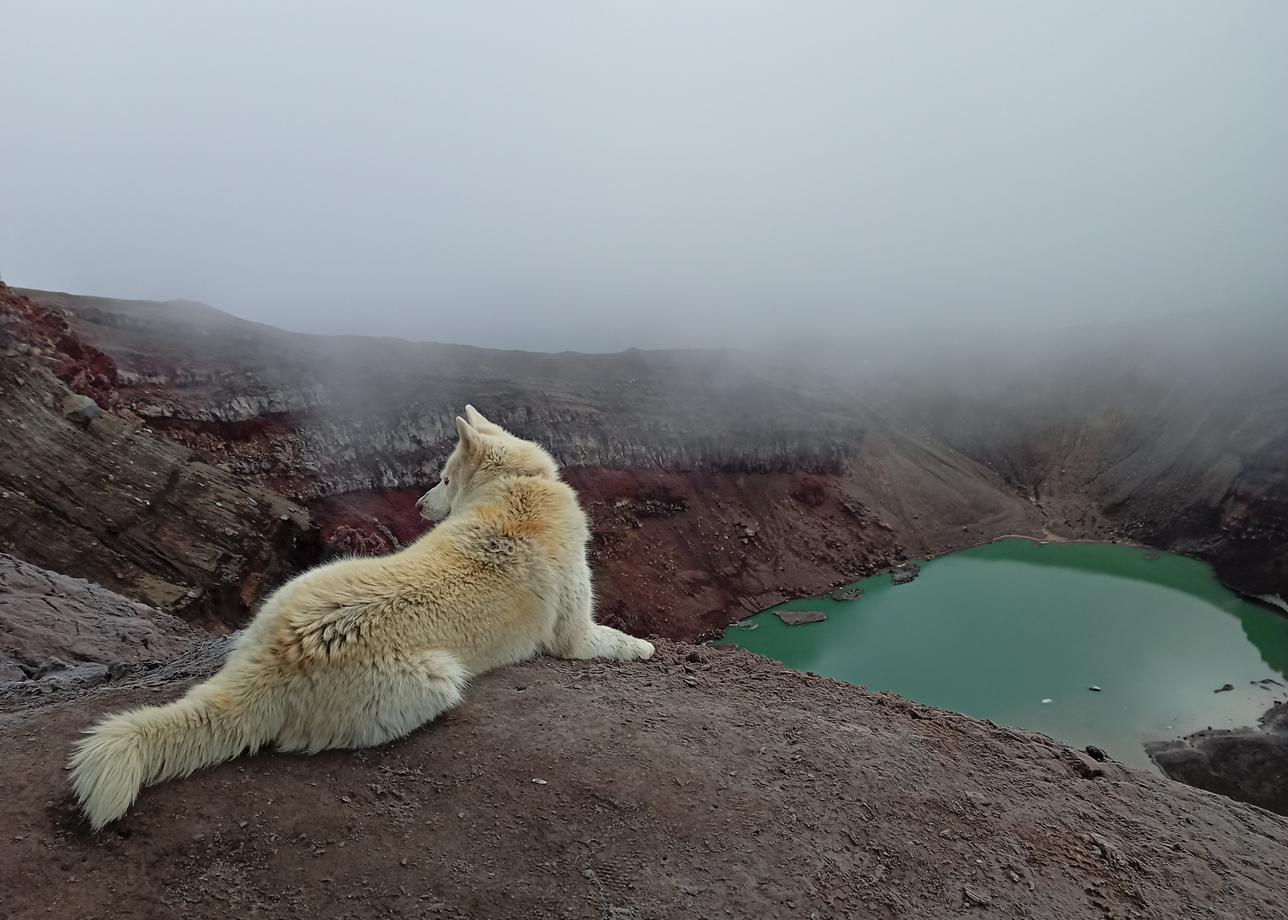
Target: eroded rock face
{"points": [[707, 785], [104, 499], [1248, 764], [54, 626], [323, 415]]}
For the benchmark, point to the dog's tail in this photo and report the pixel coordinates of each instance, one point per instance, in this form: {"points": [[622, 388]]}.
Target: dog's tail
{"points": [[125, 752]]}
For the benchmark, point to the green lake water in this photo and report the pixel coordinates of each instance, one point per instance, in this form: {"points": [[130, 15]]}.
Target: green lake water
{"points": [[1017, 631]]}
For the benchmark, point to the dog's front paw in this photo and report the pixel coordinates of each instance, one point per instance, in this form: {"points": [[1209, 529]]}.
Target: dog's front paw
{"points": [[643, 649]]}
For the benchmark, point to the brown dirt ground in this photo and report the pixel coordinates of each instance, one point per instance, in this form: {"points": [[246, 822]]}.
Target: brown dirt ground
{"points": [[705, 783]]}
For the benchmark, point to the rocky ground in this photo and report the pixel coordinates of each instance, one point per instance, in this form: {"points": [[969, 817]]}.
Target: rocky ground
{"points": [[704, 783]]}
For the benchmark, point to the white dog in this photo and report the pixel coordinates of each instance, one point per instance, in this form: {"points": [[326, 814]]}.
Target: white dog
{"points": [[361, 651]]}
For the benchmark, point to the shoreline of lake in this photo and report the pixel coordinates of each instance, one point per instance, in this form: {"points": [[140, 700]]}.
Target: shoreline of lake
{"points": [[1186, 628]]}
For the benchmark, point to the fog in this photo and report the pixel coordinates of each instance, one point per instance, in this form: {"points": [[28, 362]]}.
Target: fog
{"points": [[599, 175]]}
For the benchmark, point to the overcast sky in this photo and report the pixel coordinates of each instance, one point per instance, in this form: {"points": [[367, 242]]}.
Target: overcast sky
{"points": [[595, 175]]}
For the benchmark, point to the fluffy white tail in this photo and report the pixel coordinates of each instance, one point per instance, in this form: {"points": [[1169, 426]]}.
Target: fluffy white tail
{"points": [[125, 752]]}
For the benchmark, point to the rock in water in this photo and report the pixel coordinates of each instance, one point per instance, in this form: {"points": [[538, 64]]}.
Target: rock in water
{"points": [[800, 617], [905, 573], [1224, 688]]}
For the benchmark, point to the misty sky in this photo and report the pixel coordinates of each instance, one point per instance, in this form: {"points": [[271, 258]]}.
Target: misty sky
{"points": [[596, 175]]}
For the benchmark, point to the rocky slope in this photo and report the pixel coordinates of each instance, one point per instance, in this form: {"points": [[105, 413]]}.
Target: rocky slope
{"points": [[766, 793], [65, 629], [1175, 437], [1248, 764], [333, 414], [94, 494]]}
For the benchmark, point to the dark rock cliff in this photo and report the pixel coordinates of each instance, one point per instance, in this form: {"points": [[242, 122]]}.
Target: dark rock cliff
{"points": [[102, 498]]}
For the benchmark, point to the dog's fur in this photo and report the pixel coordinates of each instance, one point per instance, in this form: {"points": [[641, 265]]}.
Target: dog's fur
{"points": [[361, 651]]}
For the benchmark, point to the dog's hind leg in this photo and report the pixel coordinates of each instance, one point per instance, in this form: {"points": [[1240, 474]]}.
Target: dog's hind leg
{"points": [[366, 704]]}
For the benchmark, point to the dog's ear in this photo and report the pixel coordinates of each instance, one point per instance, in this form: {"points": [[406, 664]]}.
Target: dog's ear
{"points": [[469, 435], [476, 419]]}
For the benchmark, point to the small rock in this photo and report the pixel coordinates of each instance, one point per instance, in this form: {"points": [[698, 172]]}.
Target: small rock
{"points": [[541, 782], [698, 656], [1046, 701], [975, 898], [1109, 851], [1094, 689], [1224, 688], [80, 410], [1096, 753], [1082, 764]]}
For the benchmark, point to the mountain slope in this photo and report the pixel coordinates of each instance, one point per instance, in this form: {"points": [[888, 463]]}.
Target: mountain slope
{"points": [[94, 494], [719, 481]]}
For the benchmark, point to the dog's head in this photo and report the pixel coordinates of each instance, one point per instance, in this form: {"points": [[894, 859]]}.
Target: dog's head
{"points": [[485, 452]]}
